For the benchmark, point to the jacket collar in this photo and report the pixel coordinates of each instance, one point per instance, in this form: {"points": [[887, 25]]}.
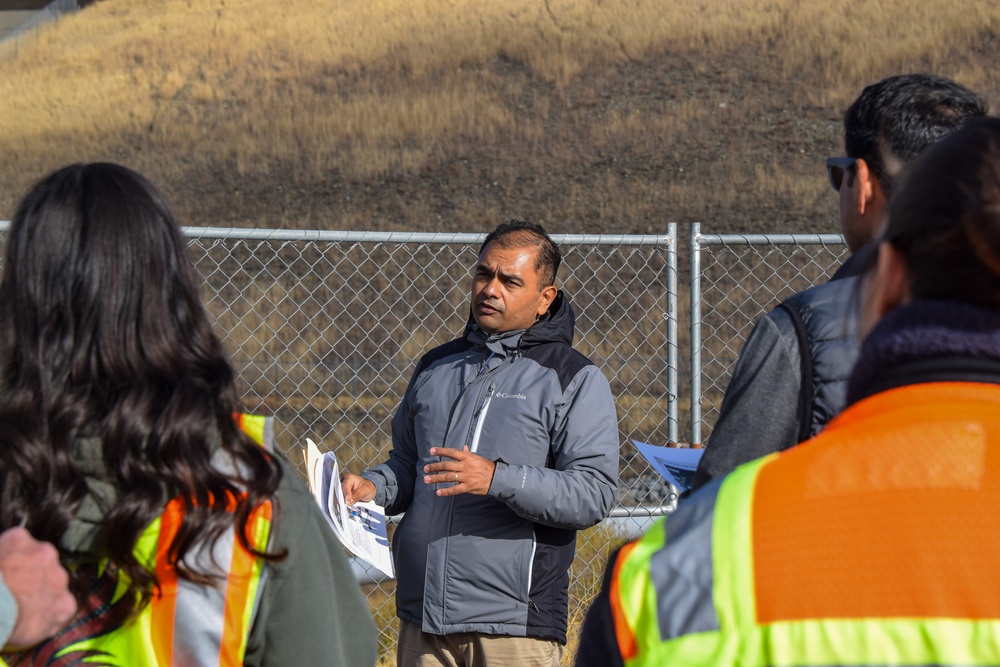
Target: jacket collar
{"points": [[858, 263], [556, 325], [84, 533]]}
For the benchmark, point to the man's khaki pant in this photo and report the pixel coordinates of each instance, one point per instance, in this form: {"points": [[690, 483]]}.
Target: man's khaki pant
{"points": [[417, 648]]}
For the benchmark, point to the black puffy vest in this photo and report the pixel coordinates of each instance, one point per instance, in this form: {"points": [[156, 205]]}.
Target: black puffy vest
{"points": [[826, 321]]}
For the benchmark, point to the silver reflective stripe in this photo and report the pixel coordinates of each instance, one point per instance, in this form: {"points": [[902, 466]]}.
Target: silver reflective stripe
{"points": [[681, 571], [225, 463], [200, 613], [531, 567], [269, 443]]}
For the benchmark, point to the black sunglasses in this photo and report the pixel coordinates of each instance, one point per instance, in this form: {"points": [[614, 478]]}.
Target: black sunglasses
{"points": [[836, 167]]}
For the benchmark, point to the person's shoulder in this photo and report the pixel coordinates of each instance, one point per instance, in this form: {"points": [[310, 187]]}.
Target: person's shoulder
{"points": [[840, 289], [774, 324], [560, 358], [820, 306], [457, 346]]}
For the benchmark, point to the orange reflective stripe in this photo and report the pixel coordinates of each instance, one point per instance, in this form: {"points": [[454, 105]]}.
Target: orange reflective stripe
{"points": [[627, 644], [242, 569], [164, 600], [905, 483]]}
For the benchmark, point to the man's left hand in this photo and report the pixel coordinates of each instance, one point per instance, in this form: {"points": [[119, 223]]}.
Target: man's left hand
{"points": [[467, 472]]}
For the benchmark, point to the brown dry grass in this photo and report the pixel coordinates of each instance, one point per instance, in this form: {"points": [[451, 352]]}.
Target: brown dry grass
{"points": [[611, 115], [594, 547], [596, 115]]}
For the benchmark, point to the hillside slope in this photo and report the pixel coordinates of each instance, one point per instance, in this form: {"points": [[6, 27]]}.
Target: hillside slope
{"points": [[600, 115]]}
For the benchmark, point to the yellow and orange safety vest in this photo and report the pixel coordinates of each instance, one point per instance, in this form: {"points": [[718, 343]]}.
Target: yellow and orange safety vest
{"points": [[875, 543], [185, 624]]}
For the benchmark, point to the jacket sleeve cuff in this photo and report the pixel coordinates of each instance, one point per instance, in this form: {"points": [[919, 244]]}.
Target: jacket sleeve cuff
{"points": [[502, 479], [380, 486]]}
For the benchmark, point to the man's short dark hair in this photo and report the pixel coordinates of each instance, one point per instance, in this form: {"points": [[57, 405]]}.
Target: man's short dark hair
{"points": [[521, 234], [894, 120]]}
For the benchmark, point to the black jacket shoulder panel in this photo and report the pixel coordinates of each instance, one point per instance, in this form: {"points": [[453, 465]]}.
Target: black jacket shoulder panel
{"points": [[561, 358], [556, 325], [806, 395]]}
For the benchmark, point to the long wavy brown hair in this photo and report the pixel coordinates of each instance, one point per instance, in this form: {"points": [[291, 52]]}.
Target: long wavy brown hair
{"points": [[103, 334]]}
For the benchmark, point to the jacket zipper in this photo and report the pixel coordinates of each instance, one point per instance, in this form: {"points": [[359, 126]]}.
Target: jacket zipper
{"points": [[481, 417]]}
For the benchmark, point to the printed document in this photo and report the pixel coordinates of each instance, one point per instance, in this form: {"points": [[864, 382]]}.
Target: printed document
{"points": [[361, 526]]}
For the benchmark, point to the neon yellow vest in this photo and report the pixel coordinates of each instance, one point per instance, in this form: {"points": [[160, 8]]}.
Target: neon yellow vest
{"points": [[870, 463], [185, 624]]}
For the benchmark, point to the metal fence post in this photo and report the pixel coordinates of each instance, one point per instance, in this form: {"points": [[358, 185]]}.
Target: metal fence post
{"points": [[33, 26], [737, 278], [695, 241], [325, 327], [673, 422]]}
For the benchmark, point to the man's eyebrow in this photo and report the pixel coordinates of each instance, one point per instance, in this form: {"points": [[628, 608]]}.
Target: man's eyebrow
{"points": [[487, 269], [516, 277]]}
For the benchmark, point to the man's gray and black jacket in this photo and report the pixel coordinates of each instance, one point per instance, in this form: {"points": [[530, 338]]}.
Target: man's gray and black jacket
{"points": [[499, 564]]}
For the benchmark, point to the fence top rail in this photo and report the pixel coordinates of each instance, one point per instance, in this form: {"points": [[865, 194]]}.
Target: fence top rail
{"points": [[408, 237], [39, 17], [769, 239], [465, 238]]}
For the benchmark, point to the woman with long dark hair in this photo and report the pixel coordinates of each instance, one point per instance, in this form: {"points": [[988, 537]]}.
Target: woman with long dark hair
{"points": [[186, 542], [873, 543]]}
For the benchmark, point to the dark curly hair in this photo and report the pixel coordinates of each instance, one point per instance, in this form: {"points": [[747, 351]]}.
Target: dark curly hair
{"points": [[103, 335], [895, 120]]}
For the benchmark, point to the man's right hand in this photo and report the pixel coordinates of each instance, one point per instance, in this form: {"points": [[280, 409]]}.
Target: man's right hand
{"points": [[38, 582], [357, 489]]}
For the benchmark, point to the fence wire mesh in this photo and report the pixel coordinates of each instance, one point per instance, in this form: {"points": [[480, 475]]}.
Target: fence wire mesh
{"points": [[325, 330], [735, 279]]}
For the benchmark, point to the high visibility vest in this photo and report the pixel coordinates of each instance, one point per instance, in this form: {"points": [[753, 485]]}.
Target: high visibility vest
{"points": [[185, 624], [259, 428], [872, 544]]}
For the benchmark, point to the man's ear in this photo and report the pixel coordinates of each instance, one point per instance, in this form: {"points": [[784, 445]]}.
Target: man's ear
{"points": [[546, 297], [866, 187]]}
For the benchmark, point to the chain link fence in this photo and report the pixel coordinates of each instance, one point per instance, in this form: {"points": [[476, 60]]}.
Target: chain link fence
{"points": [[735, 279], [325, 329], [17, 28]]}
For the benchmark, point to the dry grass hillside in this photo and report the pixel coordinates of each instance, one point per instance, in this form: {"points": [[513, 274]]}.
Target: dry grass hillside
{"points": [[585, 115]]}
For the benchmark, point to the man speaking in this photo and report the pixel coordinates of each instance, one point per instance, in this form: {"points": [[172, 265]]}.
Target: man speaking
{"points": [[505, 444]]}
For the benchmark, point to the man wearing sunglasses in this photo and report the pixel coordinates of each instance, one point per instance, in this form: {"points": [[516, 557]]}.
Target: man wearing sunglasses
{"points": [[790, 379]]}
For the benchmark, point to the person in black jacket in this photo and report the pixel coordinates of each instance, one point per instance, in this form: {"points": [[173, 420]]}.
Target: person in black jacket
{"points": [[790, 378]]}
